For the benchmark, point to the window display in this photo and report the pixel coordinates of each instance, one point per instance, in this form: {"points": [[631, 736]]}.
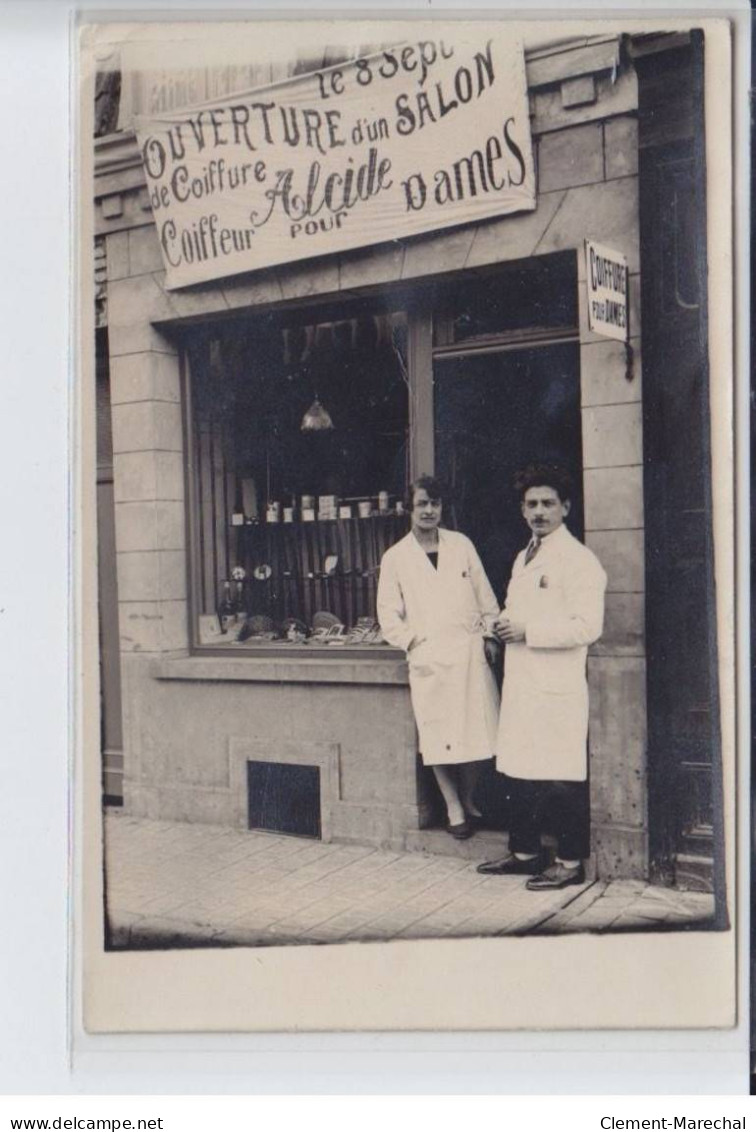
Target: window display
{"points": [[299, 465]]}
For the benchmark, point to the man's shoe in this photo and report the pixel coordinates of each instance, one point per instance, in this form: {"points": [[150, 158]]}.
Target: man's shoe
{"points": [[512, 866], [557, 876]]}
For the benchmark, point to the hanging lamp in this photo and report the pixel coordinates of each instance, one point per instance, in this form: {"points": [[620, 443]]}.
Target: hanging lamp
{"points": [[316, 419]]}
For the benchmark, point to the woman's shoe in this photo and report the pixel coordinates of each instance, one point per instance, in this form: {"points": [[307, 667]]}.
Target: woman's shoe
{"points": [[461, 831]]}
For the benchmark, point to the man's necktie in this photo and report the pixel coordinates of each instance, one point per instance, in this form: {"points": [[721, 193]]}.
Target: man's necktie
{"points": [[532, 550]]}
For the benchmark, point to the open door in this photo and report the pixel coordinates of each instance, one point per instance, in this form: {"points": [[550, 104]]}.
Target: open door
{"points": [[496, 411]]}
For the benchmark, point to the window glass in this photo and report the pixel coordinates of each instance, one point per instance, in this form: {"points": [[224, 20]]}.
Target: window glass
{"points": [[300, 449], [534, 293]]}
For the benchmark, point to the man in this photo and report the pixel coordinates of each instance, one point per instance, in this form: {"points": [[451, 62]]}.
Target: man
{"points": [[554, 610], [436, 603]]}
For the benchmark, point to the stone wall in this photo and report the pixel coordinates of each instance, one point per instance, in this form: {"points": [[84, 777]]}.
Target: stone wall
{"points": [[585, 135]]}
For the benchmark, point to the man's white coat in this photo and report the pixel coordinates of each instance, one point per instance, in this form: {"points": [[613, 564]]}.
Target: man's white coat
{"points": [[559, 597]]}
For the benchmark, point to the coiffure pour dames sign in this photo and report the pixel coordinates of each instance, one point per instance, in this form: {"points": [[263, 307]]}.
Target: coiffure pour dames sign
{"points": [[414, 139], [606, 280]]}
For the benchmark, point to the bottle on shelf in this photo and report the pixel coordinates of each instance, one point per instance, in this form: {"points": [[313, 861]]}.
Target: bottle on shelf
{"points": [[226, 609]]}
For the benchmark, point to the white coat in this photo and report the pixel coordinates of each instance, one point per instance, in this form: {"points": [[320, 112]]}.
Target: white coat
{"points": [[454, 694], [559, 597]]}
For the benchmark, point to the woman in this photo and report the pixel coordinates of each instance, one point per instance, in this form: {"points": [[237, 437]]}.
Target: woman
{"points": [[436, 603]]}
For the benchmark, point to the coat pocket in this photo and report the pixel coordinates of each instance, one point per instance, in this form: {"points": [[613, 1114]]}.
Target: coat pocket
{"points": [[557, 671]]}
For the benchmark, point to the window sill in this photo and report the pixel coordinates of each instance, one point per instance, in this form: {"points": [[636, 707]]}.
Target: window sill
{"points": [[390, 668]]}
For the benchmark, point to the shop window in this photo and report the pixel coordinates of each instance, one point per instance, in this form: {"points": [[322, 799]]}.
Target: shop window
{"points": [[299, 466], [299, 445]]}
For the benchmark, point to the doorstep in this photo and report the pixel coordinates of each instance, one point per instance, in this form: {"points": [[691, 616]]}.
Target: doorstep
{"points": [[484, 845]]}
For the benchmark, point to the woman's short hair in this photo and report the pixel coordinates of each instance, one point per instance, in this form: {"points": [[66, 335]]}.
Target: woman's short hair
{"points": [[435, 488], [544, 475]]}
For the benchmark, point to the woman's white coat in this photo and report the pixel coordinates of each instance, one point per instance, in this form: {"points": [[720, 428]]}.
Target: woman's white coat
{"points": [[444, 612]]}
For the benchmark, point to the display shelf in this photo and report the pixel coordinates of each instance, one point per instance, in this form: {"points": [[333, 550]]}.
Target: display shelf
{"points": [[299, 584]]}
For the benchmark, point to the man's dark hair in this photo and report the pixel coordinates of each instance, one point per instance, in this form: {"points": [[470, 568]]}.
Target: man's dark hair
{"points": [[435, 488], [544, 475]]}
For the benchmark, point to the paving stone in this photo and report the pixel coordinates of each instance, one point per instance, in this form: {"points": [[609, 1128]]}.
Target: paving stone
{"points": [[254, 888], [624, 887]]}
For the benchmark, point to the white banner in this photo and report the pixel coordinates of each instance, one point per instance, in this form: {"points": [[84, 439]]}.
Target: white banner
{"points": [[414, 139]]}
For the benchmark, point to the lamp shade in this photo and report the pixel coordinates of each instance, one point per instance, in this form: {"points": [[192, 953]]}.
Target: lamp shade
{"points": [[316, 419]]}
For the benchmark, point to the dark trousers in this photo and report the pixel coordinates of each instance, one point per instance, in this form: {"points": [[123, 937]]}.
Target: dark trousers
{"points": [[548, 806]]}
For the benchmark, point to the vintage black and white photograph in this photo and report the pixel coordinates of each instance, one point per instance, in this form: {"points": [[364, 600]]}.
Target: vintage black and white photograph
{"points": [[413, 505]]}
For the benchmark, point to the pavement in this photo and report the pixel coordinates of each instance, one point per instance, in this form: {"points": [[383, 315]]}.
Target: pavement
{"points": [[174, 884]]}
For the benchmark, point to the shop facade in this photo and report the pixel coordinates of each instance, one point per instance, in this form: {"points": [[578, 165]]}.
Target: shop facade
{"points": [[467, 353]]}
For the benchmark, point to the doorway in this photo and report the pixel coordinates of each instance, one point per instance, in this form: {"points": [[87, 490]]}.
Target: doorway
{"points": [[494, 412]]}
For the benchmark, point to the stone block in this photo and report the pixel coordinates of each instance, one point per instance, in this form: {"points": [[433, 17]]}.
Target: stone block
{"points": [[142, 426], [202, 299], [447, 251], [139, 801], [585, 58], [117, 255], [578, 92], [174, 626], [133, 428], [371, 266], [138, 576], [612, 436], [131, 378], [377, 773], [515, 237], [613, 498], [144, 377], [169, 428], [571, 157], [617, 740], [606, 212], [245, 291], [364, 824], [140, 628], [166, 378], [621, 553], [624, 626], [171, 575], [176, 803], [620, 852], [299, 282], [621, 147], [603, 373], [170, 519], [169, 470], [135, 301], [136, 526], [137, 338], [112, 206], [144, 251], [134, 476], [550, 113]]}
